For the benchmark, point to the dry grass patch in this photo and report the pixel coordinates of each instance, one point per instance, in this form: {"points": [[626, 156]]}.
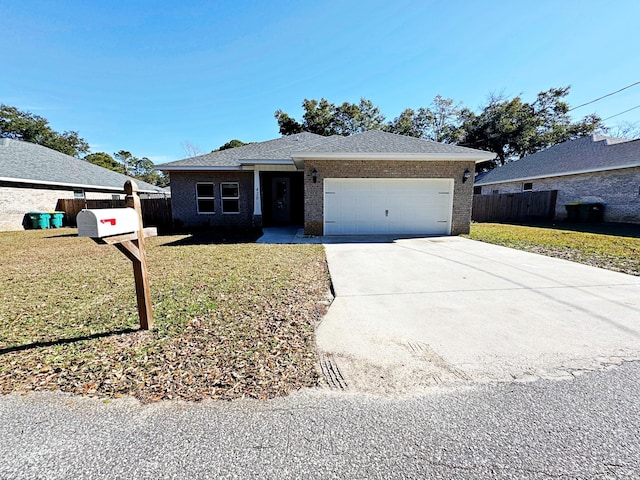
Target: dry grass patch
{"points": [[621, 254], [231, 320]]}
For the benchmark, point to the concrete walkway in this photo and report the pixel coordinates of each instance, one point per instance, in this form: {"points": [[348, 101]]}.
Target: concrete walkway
{"points": [[295, 235], [285, 235], [415, 313]]}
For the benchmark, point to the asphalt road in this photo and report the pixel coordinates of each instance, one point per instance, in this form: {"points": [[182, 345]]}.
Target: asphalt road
{"points": [[585, 427]]}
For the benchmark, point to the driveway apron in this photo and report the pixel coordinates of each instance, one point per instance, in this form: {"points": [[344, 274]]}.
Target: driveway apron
{"points": [[412, 314]]}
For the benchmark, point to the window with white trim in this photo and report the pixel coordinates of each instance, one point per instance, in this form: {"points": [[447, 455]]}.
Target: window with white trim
{"points": [[205, 198], [230, 193], [78, 193], [527, 187]]}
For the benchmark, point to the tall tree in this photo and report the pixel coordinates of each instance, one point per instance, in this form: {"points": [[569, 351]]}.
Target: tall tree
{"points": [[127, 160], [349, 118], [512, 128], [104, 160], [440, 122], [33, 128], [286, 124], [318, 116], [232, 144], [444, 120], [141, 168], [408, 123], [509, 127], [325, 118]]}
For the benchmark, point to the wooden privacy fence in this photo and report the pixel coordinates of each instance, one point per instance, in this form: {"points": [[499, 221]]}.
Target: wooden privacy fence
{"points": [[156, 212], [515, 207]]}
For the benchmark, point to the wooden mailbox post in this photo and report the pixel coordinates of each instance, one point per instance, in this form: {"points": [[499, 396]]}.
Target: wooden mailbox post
{"points": [[118, 227]]}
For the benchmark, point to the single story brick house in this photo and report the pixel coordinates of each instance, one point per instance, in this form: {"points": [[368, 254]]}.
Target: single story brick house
{"points": [[33, 178], [370, 183], [589, 169]]}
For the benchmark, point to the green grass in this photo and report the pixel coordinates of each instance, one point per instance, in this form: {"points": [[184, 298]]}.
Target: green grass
{"points": [[231, 320], [612, 252]]}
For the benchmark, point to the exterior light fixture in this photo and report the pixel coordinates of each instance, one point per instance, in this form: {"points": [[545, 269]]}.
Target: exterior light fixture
{"points": [[314, 175], [466, 175]]}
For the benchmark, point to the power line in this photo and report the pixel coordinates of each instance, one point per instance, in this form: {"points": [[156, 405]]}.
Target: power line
{"points": [[605, 96], [632, 108]]}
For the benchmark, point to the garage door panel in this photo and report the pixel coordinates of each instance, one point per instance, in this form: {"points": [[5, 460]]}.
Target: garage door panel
{"points": [[388, 206]]}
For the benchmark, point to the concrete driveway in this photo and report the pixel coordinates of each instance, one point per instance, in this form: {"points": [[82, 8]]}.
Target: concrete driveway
{"points": [[417, 313]]}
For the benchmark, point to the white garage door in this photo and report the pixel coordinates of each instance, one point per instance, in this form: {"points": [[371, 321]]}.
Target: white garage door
{"points": [[360, 206]]}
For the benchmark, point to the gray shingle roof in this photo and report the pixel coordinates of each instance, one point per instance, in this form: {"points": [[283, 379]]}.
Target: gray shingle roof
{"points": [[588, 154], [376, 141], [278, 149], [285, 148], [37, 164]]}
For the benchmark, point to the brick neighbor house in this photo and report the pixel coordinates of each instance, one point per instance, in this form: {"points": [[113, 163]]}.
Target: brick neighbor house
{"points": [[33, 178], [370, 183], [595, 169]]}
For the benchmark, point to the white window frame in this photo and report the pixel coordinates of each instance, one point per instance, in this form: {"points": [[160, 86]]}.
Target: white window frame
{"points": [[212, 198], [236, 197], [78, 193], [527, 189]]}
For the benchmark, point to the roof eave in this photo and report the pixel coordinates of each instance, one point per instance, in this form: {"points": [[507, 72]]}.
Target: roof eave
{"points": [[267, 162], [481, 183], [197, 168], [71, 185], [479, 157], [206, 168]]}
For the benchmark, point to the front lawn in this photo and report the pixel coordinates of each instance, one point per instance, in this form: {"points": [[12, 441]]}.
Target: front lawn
{"points": [[618, 253], [231, 320]]}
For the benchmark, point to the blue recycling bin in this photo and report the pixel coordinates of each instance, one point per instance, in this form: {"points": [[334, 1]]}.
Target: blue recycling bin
{"points": [[56, 219], [39, 220]]}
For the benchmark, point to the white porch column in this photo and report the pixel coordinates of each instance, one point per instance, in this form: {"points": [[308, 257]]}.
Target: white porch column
{"points": [[257, 200]]}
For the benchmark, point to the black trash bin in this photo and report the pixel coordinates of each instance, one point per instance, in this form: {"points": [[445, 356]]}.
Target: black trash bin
{"points": [[595, 212], [572, 212], [584, 211]]}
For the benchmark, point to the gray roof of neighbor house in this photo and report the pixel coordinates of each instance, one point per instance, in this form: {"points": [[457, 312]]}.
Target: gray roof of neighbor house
{"points": [[306, 145], [587, 154], [24, 162]]}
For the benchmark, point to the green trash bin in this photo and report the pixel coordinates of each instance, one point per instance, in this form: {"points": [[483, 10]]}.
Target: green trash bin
{"points": [[39, 219], [583, 212], [56, 219]]}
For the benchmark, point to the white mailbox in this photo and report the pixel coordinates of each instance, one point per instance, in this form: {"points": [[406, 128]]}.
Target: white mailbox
{"points": [[106, 222]]}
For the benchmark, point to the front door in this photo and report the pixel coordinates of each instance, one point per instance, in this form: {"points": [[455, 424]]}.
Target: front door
{"points": [[281, 195]]}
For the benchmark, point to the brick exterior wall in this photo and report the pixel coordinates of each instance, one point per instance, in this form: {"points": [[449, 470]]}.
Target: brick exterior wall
{"points": [[314, 201], [619, 190], [184, 205], [15, 202]]}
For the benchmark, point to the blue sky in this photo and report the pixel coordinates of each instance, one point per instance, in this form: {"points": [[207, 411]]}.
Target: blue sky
{"points": [[148, 76]]}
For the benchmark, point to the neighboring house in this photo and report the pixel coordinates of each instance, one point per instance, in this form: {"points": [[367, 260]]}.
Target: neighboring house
{"points": [[33, 178], [590, 169], [370, 183]]}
